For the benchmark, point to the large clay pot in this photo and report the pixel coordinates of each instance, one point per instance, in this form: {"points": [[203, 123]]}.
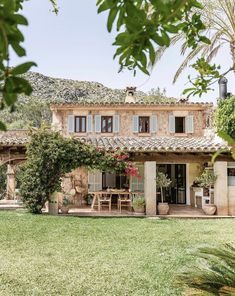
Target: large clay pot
{"points": [[209, 209], [163, 208], [139, 210], [54, 203]]}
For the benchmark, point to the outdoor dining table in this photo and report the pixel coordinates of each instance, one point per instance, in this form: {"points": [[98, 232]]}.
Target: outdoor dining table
{"points": [[113, 192]]}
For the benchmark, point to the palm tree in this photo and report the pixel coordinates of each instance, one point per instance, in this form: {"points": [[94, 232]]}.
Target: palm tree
{"points": [[219, 19]]}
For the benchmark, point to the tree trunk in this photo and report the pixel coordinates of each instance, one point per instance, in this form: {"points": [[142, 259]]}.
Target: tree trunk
{"points": [[162, 194]]}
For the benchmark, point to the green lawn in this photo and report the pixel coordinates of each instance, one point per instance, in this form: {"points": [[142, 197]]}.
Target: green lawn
{"points": [[46, 255]]}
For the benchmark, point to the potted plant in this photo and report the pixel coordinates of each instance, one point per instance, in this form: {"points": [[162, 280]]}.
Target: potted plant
{"points": [[207, 180], [88, 198], [65, 204], [139, 204], [162, 181]]}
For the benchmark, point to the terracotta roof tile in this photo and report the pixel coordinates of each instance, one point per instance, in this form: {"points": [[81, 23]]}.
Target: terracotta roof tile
{"points": [[13, 138], [160, 144], [148, 144]]}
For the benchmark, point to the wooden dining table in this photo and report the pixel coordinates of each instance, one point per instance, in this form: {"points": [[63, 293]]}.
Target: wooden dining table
{"points": [[112, 192]]}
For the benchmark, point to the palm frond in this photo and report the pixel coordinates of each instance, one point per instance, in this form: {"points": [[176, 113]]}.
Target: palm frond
{"points": [[213, 53], [215, 38], [189, 58], [215, 274], [161, 49]]}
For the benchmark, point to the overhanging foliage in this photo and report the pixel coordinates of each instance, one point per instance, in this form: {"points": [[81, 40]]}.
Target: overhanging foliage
{"points": [[50, 156]]}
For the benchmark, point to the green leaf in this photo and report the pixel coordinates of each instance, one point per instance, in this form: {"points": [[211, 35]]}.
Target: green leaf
{"points": [[20, 19], [3, 127], [158, 39], [112, 15], [23, 86], [22, 68], [20, 51], [205, 39], [227, 138], [104, 6], [166, 38], [171, 28]]}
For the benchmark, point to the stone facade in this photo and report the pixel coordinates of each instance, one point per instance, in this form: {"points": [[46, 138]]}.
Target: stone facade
{"points": [[199, 112]]}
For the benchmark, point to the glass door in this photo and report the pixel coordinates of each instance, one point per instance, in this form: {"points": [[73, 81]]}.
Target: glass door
{"points": [[180, 176], [176, 192]]}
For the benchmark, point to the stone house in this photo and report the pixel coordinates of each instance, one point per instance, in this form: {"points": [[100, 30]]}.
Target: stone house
{"points": [[176, 138]]}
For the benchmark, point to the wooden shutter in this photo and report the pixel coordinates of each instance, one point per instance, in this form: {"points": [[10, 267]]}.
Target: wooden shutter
{"points": [[116, 123], [70, 124], [95, 181], [89, 124], [153, 124], [171, 123], [135, 123], [189, 126], [97, 123]]}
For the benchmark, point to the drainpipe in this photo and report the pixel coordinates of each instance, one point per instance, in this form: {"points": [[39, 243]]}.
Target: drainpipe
{"points": [[223, 87]]}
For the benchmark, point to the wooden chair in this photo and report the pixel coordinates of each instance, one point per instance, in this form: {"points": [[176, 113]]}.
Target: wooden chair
{"points": [[124, 200], [104, 199]]}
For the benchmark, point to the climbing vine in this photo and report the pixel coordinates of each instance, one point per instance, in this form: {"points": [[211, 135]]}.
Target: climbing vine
{"points": [[50, 156]]}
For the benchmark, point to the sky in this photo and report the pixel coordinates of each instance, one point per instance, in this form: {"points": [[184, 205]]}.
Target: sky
{"points": [[75, 44]]}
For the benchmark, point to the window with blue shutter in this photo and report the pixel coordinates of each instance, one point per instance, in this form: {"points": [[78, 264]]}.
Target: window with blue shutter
{"points": [[70, 124], [153, 124], [116, 123], [189, 124], [97, 123], [135, 123], [171, 123], [89, 124]]}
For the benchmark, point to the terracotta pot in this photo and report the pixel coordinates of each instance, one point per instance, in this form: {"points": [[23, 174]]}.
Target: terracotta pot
{"points": [[54, 204], [140, 210], [209, 209], [197, 189], [163, 208]]}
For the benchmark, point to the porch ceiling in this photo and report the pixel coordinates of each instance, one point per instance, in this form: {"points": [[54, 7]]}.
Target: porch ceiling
{"points": [[158, 144]]}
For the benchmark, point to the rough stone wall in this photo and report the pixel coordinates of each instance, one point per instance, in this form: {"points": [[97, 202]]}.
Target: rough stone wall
{"points": [[78, 180], [200, 118]]}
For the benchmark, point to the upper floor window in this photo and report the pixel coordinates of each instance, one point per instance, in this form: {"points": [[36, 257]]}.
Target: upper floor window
{"points": [[144, 124], [106, 124], [179, 125], [80, 124]]}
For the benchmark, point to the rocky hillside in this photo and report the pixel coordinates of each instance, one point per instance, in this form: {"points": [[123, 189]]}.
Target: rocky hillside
{"points": [[67, 90]]}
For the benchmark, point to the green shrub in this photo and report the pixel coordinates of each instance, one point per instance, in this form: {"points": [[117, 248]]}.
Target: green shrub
{"points": [[138, 202], [225, 116], [50, 156]]}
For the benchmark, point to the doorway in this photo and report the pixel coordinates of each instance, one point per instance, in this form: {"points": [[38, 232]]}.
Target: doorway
{"points": [[176, 192]]}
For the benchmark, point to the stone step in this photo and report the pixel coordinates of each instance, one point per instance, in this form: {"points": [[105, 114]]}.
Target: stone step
{"points": [[10, 202]]}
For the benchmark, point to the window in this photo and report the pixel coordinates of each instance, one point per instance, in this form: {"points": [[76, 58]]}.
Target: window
{"points": [[80, 124], [143, 124], [137, 184], [231, 173], [106, 124], [179, 125]]}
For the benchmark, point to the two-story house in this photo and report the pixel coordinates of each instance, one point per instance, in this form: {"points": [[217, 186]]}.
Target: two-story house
{"points": [[175, 138]]}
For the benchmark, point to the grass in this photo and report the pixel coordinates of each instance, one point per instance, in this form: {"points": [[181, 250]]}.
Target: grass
{"points": [[46, 255]]}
